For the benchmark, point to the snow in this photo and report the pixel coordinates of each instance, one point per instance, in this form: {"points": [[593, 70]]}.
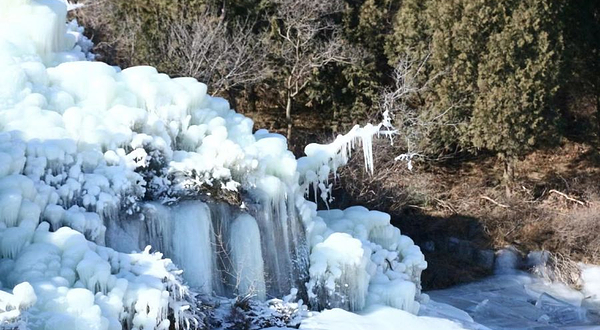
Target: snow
{"points": [[375, 317], [11, 305]]}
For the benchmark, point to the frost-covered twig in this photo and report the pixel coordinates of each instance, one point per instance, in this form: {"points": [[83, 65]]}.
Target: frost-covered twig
{"points": [[401, 106], [399, 118], [322, 160], [71, 5]]}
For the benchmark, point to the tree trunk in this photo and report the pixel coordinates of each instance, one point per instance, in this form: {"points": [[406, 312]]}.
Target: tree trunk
{"points": [[232, 101], [251, 99], [335, 125], [509, 173], [598, 112], [288, 116]]}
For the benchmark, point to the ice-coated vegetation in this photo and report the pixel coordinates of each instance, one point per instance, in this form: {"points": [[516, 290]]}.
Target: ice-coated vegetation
{"points": [[100, 166]]}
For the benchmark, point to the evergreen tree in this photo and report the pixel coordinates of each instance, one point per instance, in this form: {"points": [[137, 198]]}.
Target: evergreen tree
{"points": [[492, 70], [581, 70], [518, 78]]}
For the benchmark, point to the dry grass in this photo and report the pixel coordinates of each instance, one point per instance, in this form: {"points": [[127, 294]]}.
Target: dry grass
{"points": [[558, 268], [554, 204], [577, 233]]}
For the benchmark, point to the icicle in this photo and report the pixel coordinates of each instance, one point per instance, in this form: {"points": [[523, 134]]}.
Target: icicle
{"points": [[192, 249], [338, 275], [157, 218], [322, 160], [10, 204], [246, 255]]}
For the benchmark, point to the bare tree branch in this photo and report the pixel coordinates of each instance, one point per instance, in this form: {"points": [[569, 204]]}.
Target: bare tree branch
{"points": [[309, 39], [401, 105], [221, 54]]}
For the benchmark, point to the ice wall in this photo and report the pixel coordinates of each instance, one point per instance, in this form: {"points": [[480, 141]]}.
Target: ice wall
{"points": [[192, 248], [97, 162], [219, 247]]}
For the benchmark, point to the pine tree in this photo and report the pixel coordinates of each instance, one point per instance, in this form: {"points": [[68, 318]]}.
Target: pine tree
{"points": [[581, 72], [518, 78], [492, 70]]}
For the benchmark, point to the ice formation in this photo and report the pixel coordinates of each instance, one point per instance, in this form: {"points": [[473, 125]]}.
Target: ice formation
{"points": [[518, 301], [359, 259], [323, 160], [590, 276], [247, 257], [96, 163]]}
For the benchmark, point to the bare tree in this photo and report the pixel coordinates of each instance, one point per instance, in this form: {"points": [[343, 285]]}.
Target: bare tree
{"points": [[224, 55], [402, 106], [307, 39], [113, 43]]}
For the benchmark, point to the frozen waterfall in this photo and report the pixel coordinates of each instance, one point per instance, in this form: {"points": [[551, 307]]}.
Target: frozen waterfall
{"points": [[246, 256], [125, 194], [222, 249]]}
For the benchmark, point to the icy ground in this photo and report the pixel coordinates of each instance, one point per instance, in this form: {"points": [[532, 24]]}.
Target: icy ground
{"points": [[513, 300], [521, 301]]}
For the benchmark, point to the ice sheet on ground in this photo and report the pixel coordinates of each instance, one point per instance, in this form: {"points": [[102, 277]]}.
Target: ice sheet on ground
{"points": [[519, 301], [445, 311]]}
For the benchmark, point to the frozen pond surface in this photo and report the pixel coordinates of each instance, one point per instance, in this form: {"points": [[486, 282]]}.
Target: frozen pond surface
{"points": [[515, 301]]}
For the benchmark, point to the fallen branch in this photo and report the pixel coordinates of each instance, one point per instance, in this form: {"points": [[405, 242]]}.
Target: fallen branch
{"points": [[493, 201], [445, 205], [418, 207], [567, 197]]}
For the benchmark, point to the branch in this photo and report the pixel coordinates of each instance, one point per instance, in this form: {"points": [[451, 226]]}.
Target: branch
{"points": [[493, 201], [567, 197]]}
